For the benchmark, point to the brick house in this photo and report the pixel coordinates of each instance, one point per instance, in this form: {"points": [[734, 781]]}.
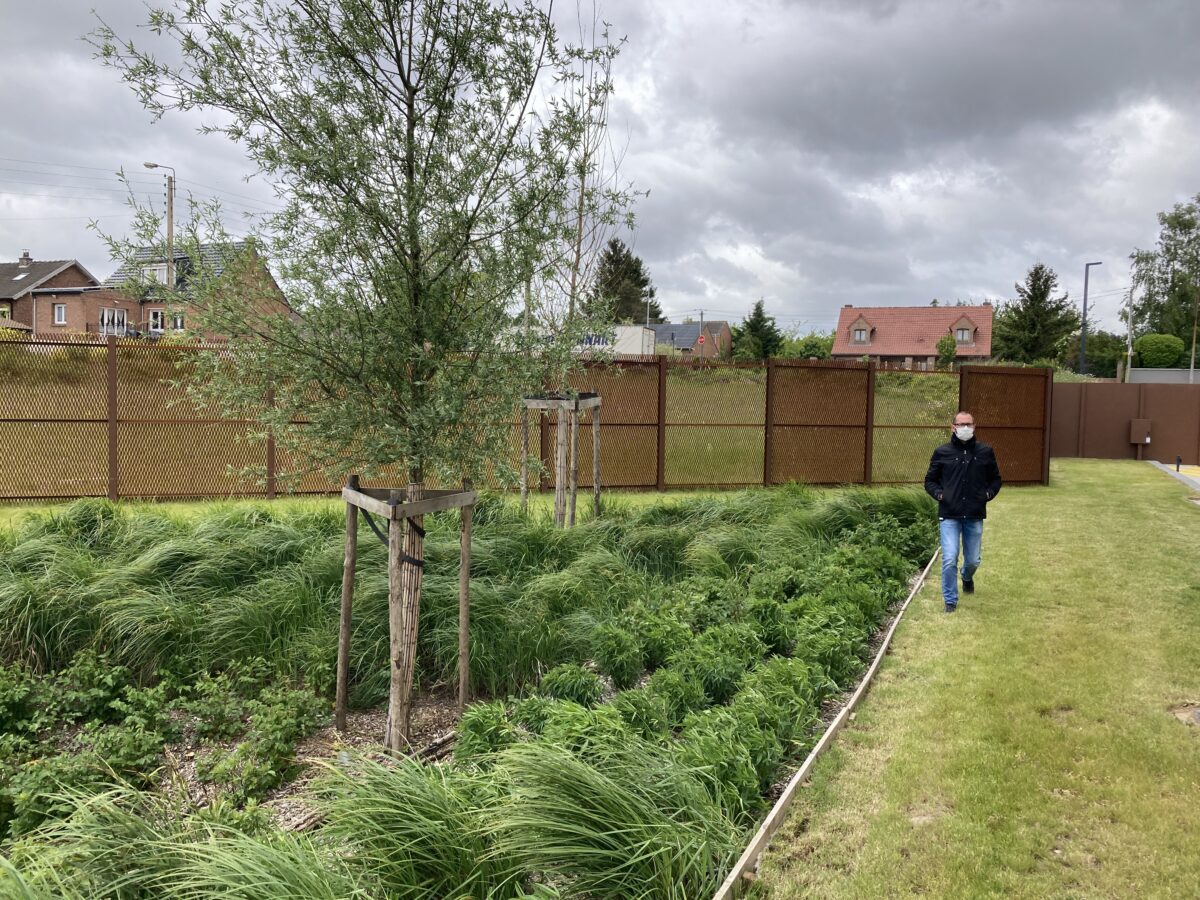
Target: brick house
{"points": [[908, 335], [60, 297], [42, 297], [685, 338]]}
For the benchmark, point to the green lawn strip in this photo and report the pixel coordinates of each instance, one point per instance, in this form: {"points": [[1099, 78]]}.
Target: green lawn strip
{"points": [[1024, 746]]}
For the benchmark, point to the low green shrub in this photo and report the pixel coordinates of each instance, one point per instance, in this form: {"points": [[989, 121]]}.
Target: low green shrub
{"points": [[644, 711], [484, 729], [661, 634], [618, 655], [570, 681], [679, 693]]}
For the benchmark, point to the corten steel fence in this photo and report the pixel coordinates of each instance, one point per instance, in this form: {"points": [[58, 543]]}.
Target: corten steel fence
{"points": [[1093, 420], [85, 418]]}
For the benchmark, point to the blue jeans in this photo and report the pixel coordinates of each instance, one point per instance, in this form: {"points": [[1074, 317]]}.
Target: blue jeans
{"points": [[968, 532]]}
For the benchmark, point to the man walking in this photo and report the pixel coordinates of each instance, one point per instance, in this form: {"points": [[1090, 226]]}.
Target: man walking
{"points": [[962, 478]]}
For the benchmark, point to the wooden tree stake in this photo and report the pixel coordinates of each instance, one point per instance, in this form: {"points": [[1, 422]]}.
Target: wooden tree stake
{"points": [[464, 606], [560, 471], [404, 599], [524, 459], [343, 658], [574, 464], [596, 461]]}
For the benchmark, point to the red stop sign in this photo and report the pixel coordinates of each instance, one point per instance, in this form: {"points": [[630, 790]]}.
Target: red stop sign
{"points": [[701, 341]]}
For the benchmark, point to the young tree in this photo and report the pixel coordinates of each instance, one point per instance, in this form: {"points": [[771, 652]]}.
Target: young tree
{"points": [[814, 345], [623, 291], [1159, 351], [758, 337], [1031, 327], [1169, 277], [424, 160], [947, 351]]}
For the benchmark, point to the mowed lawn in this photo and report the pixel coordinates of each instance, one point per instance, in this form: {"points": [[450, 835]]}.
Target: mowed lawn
{"points": [[1027, 745]]}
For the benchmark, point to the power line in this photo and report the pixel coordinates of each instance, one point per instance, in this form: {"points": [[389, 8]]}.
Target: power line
{"points": [[42, 162], [80, 177], [209, 187], [52, 196], [114, 215], [74, 187]]}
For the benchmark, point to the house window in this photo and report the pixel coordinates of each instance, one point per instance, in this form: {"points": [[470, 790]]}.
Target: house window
{"points": [[963, 336], [156, 272], [158, 321], [5, 310], [177, 321], [860, 335], [60, 314], [112, 321]]}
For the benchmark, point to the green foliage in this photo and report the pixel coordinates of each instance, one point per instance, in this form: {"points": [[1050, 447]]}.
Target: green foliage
{"points": [[277, 718], [814, 345], [1169, 276], [764, 609], [1034, 326], [570, 681], [947, 351], [640, 825], [1159, 351], [485, 729], [460, 197], [1104, 349], [623, 291], [618, 655], [758, 337]]}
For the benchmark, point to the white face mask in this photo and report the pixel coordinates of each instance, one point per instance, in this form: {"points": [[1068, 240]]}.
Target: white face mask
{"points": [[964, 432]]}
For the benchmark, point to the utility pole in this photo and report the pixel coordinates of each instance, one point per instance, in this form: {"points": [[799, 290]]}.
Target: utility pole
{"points": [[1083, 331], [1128, 333], [702, 334], [170, 221]]}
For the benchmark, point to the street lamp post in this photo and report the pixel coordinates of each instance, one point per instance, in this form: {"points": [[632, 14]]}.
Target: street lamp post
{"points": [[1083, 331], [170, 222]]}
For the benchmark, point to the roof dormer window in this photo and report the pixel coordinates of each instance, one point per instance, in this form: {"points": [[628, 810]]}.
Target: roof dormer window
{"points": [[860, 335], [963, 335]]}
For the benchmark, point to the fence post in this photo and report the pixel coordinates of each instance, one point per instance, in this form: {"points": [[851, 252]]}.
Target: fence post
{"points": [[114, 470], [544, 448], [271, 452], [769, 422], [869, 444], [662, 422], [1046, 422]]}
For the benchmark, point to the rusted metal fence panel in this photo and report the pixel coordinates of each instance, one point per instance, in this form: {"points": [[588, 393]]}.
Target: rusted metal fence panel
{"points": [[1093, 420], [1012, 408], [95, 418]]}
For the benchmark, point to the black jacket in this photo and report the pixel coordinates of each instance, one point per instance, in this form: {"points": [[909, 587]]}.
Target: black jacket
{"points": [[963, 477]]}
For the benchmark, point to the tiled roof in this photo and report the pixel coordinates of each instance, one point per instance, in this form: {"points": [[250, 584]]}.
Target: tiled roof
{"points": [[681, 336], [17, 280], [912, 330], [212, 256]]}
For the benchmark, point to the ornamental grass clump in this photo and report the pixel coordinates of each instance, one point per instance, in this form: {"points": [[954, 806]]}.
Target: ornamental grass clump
{"points": [[618, 654], [570, 681], [642, 825]]}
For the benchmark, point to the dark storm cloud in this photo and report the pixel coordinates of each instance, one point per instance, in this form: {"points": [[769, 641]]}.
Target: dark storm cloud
{"points": [[811, 152]]}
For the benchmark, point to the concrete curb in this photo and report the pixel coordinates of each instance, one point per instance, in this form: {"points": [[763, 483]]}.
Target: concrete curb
{"points": [[1191, 482]]}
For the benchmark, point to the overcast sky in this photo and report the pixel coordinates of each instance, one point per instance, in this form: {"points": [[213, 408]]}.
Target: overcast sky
{"points": [[809, 152]]}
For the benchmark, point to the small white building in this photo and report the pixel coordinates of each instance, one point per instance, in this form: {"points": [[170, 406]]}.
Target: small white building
{"points": [[626, 340]]}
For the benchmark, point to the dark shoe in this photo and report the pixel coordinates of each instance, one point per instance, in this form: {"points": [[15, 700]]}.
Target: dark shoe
{"points": [[968, 587], [951, 607]]}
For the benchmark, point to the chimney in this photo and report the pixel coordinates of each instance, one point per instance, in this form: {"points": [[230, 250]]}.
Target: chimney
{"points": [[25, 260]]}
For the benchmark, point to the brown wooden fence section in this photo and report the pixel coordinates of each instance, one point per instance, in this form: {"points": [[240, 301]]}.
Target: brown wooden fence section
{"points": [[1093, 420], [86, 418]]}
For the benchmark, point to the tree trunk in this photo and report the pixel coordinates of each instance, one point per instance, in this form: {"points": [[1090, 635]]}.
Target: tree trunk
{"points": [[342, 702], [405, 551]]}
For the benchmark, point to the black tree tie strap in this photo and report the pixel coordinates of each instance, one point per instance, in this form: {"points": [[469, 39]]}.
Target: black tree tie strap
{"points": [[412, 523], [375, 528]]}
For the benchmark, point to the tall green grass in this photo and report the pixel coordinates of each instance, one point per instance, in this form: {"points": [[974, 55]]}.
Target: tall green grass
{"points": [[719, 623]]}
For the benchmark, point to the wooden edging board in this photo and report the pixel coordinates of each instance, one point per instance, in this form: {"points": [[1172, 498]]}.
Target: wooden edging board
{"points": [[747, 863]]}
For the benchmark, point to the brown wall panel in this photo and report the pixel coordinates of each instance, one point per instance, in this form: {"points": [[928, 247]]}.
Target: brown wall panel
{"points": [[1174, 414], [818, 455], [1064, 426], [1107, 409]]}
